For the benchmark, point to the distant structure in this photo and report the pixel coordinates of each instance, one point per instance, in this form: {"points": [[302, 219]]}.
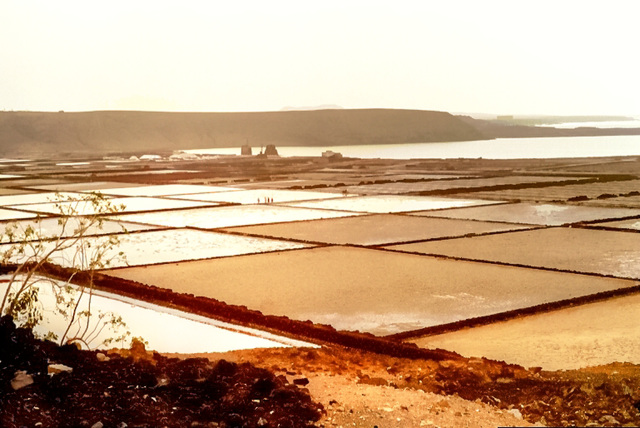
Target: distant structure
{"points": [[245, 150], [331, 155], [270, 150], [179, 155]]}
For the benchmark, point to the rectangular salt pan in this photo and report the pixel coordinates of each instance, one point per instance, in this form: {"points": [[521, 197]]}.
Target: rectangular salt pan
{"points": [[166, 246], [212, 218], [133, 204], [390, 203], [163, 190], [260, 196]]}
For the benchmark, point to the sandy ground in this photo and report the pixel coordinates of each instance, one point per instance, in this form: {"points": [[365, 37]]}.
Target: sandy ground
{"points": [[587, 335], [350, 402]]}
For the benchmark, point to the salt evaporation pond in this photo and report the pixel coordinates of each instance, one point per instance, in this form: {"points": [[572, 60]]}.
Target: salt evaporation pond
{"points": [[540, 214], [163, 190], [390, 203], [569, 249], [94, 186], [164, 246], [260, 196], [133, 204], [381, 292], [49, 227], [212, 218], [376, 229], [15, 214], [633, 224], [36, 198], [165, 329]]}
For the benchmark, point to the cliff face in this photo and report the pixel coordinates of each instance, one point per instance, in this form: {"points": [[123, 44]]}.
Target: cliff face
{"points": [[24, 133]]}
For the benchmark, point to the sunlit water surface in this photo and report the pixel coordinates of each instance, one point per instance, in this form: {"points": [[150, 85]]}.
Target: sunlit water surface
{"points": [[165, 329]]}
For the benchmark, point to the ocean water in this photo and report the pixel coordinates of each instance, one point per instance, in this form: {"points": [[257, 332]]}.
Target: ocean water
{"points": [[501, 148], [606, 124]]}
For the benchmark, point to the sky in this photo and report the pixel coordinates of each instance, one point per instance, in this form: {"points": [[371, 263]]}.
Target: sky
{"points": [[560, 57]]}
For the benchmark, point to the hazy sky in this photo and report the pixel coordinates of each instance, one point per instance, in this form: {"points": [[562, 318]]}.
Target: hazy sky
{"points": [[555, 57]]}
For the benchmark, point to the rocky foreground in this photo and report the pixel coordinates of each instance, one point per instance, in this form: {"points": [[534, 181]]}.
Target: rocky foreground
{"points": [[45, 385], [363, 389]]}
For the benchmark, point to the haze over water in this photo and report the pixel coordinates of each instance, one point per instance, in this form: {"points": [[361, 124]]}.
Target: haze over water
{"points": [[502, 148]]}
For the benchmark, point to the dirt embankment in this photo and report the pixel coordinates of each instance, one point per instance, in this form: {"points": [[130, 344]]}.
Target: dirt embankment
{"points": [[102, 131], [365, 389]]}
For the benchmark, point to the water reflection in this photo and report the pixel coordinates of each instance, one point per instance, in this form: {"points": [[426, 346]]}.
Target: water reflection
{"points": [[133, 204], [501, 148], [166, 330], [212, 218], [390, 203], [162, 246]]}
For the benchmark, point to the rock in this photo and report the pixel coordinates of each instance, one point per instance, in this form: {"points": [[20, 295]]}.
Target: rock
{"points": [[54, 369], [302, 381], [609, 419], [271, 150], [97, 425], [21, 379], [262, 422], [101, 357], [375, 381], [516, 413]]}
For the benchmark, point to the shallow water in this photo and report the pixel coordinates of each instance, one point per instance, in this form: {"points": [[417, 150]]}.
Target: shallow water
{"points": [[132, 204], [162, 190], [212, 218], [165, 246], [501, 148], [50, 227], [540, 214], [36, 198], [259, 196], [376, 291], [15, 214], [166, 330], [390, 203]]}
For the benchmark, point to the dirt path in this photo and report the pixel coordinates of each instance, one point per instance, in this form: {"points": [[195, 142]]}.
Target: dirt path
{"points": [[359, 391]]}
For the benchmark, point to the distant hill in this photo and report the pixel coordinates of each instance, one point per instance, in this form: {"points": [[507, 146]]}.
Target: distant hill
{"points": [[38, 133], [23, 133], [513, 129]]}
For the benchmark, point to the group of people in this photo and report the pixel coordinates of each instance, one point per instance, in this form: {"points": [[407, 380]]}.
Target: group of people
{"points": [[265, 200]]}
